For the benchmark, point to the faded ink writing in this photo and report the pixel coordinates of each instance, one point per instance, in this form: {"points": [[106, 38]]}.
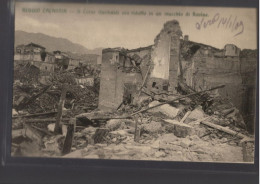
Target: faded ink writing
{"points": [[236, 26]]}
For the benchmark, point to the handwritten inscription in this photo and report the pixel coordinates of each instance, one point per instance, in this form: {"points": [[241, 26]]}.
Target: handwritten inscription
{"points": [[231, 23]]}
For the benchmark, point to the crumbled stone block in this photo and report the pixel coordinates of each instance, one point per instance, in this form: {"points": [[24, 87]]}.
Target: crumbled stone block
{"points": [[196, 114], [165, 109], [178, 129], [152, 127]]}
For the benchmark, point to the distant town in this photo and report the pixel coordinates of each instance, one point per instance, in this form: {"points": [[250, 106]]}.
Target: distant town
{"points": [[50, 62]]}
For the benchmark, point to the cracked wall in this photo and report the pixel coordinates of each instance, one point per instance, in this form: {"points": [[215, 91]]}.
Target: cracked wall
{"points": [[165, 55], [115, 80], [238, 74]]}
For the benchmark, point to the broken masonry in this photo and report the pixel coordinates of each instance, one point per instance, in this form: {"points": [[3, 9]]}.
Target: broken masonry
{"points": [[174, 60]]}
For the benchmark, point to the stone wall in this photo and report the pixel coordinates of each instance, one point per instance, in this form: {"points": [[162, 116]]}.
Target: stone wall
{"points": [[202, 66], [165, 54], [145, 56], [174, 69], [238, 74], [115, 81], [206, 72], [107, 94], [249, 80], [27, 57], [231, 50], [157, 83], [161, 58]]}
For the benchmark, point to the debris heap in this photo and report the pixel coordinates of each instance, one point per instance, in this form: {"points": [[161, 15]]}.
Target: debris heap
{"points": [[146, 121]]}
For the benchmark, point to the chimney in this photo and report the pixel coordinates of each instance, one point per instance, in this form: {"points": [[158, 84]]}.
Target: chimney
{"points": [[186, 38]]}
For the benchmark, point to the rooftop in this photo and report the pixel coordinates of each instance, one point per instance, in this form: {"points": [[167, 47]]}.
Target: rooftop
{"points": [[34, 45]]}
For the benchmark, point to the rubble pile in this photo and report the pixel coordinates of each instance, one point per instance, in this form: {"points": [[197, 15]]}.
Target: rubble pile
{"points": [[26, 73], [221, 109], [77, 96], [160, 129], [165, 139], [144, 106], [36, 105]]}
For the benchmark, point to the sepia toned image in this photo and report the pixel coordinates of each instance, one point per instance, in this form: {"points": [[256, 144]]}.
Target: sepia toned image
{"points": [[165, 83]]}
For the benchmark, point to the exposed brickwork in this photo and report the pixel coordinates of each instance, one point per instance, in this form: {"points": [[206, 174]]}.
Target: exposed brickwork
{"points": [[116, 81], [202, 66], [166, 54]]}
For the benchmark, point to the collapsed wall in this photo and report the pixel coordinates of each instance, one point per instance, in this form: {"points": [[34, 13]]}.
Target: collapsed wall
{"points": [[208, 68], [165, 57], [171, 58], [118, 80], [117, 83], [213, 71]]}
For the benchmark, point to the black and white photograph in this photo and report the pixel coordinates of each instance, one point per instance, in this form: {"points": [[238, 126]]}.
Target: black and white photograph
{"points": [[134, 82]]}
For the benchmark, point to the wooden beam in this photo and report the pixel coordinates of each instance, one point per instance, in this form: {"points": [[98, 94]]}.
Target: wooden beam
{"points": [[185, 116], [144, 81], [32, 98], [69, 136], [36, 114], [226, 130], [179, 98], [46, 120], [57, 128], [137, 130], [199, 120]]}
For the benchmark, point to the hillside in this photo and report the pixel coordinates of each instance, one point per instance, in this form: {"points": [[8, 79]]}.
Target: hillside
{"points": [[53, 43]]}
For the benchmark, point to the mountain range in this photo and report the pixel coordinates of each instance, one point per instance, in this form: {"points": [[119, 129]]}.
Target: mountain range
{"points": [[53, 43]]}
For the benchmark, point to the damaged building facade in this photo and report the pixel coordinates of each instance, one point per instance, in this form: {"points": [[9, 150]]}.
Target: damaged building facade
{"points": [[175, 58], [122, 74], [119, 77], [175, 100], [30, 51]]}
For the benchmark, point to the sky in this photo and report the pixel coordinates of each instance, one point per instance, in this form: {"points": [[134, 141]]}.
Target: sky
{"points": [[93, 27]]}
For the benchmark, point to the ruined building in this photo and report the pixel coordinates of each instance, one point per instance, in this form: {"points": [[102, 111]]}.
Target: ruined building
{"points": [[30, 51], [165, 54], [122, 71], [118, 77], [173, 58]]}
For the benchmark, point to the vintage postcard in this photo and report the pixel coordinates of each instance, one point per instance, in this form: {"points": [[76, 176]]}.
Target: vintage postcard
{"points": [[165, 83]]}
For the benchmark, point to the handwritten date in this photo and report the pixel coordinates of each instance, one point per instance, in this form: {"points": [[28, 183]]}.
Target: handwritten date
{"points": [[231, 23]]}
